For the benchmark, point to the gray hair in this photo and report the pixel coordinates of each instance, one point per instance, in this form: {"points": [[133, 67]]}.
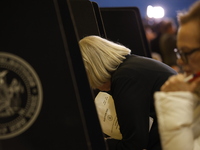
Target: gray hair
{"points": [[101, 57], [192, 14]]}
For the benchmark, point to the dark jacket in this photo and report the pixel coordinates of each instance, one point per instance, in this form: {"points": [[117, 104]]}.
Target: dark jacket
{"points": [[132, 87]]}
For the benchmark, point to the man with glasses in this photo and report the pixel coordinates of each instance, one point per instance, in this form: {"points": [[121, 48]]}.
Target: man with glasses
{"points": [[183, 56], [178, 102]]}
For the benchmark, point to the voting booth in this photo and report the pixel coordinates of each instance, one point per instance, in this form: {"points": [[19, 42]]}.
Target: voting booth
{"points": [[45, 98], [124, 25]]}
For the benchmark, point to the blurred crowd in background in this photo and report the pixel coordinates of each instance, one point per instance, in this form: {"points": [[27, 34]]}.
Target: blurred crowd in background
{"points": [[161, 36]]}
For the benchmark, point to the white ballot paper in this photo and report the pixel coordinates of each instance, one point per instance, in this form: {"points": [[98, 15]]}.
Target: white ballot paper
{"points": [[107, 115]]}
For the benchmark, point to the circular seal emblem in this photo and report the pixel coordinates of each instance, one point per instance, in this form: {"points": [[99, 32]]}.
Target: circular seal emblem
{"points": [[20, 95], [109, 117]]}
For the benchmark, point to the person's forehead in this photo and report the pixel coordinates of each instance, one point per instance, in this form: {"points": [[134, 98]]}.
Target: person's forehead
{"points": [[189, 35]]}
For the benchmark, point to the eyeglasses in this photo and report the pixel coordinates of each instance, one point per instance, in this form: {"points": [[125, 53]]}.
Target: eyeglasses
{"points": [[183, 56]]}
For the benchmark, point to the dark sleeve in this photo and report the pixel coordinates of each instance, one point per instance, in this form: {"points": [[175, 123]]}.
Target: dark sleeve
{"points": [[132, 108]]}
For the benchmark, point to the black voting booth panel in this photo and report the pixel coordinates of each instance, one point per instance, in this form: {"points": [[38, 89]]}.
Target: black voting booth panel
{"points": [[99, 19], [124, 25], [43, 77], [85, 18]]}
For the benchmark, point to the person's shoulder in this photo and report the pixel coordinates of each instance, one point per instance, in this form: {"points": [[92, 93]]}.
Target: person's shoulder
{"points": [[142, 59], [142, 62]]}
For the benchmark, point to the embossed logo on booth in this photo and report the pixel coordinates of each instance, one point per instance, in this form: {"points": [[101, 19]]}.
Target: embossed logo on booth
{"points": [[20, 95]]}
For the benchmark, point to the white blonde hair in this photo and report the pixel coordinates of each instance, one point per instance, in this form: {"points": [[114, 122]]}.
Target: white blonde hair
{"points": [[101, 57]]}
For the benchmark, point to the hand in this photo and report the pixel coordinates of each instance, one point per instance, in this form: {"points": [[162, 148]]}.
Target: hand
{"points": [[177, 83]]}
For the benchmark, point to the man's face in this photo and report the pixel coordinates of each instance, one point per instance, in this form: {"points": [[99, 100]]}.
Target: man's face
{"points": [[188, 39]]}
